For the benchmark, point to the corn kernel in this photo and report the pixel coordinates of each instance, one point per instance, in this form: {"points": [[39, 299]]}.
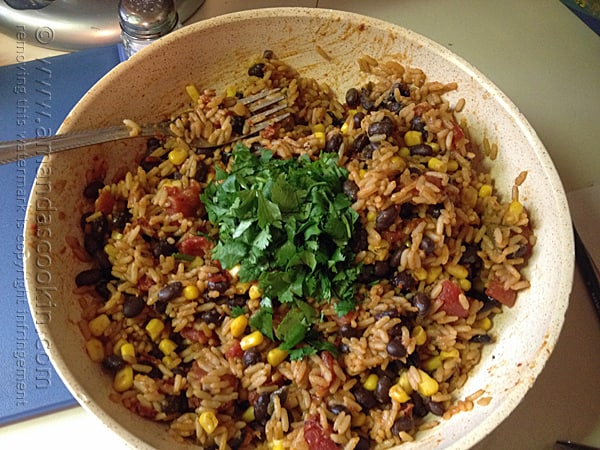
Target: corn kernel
{"points": [[276, 356], [344, 128], [95, 349], [128, 352], [118, 345], [485, 323], [362, 173], [413, 137], [192, 91], [208, 421], [191, 292], [432, 363], [197, 262], [371, 216], [515, 208], [370, 383], [449, 354], [427, 386], [230, 91], [277, 445], [434, 146], [420, 273], [398, 394], [485, 190], [248, 415], [99, 324], [110, 250], [170, 363], [318, 128], [433, 273], [154, 328], [242, 288], [178, 155], [419, 334], [437, 165], [253, 339], [320, 135], [404, 383], [464, 284], [452, 165], [234, 270], [457, 270], [238, 325], [123, 379], [404, 152], [167, 346], [254, 292]]}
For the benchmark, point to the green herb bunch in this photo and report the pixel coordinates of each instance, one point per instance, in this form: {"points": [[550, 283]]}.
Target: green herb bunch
{"points": [[287, 223]]}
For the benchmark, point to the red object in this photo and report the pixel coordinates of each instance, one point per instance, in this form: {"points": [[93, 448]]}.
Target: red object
{"points": [[105, 202], [496, 290], [316, 437], [450, 301], [194, 335], [186, 201], [235, 351], [194, 245]]}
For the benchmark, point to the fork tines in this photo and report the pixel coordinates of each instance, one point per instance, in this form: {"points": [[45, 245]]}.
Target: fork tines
{"points": [[262, 106]]}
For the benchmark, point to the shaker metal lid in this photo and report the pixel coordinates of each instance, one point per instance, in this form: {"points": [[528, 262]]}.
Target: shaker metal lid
{"points": [[147, 19]]}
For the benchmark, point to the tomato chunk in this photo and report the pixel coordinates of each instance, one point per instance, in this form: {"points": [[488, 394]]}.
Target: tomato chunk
{"points": [[194, 245], [496, 290], [186, 201], [450, 299], [316, 437]]}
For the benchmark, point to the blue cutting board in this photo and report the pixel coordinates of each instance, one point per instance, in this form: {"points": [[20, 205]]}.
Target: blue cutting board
{"points": [[35, 97]]}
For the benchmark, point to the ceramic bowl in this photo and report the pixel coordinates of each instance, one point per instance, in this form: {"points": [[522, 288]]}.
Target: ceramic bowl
{"points": [[151, 85]]}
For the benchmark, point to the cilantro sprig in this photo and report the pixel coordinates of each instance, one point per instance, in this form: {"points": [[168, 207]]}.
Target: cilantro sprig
{"points": [[287, 223]]}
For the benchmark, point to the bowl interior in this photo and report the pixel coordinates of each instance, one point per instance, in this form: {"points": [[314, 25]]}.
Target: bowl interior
{"points": [[151, 85]]}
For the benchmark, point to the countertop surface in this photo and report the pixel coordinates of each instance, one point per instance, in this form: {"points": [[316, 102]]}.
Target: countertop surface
{"points": [[548, 62]]}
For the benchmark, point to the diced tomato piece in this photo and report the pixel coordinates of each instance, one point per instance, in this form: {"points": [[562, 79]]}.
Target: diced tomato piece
{"points": [[316, 437], [186, 201], [496, 290], [457, 134], [194, 335], [450, 301], [194, 245], [145, 282], [105, 202], [235, 351]]}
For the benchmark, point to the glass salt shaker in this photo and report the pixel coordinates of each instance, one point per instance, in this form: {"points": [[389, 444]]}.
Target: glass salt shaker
{"points": [[144, 21]]}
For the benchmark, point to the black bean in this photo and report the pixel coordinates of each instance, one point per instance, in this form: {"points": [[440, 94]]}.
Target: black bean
{"points": [[152, 144], [348, 331], [391, 313], [351, 189], [176, 404], [219, 286], [102, 290], [237, 124], [357, 119], [382, 389], [470, 255], [352, 97], [422, 302], [420, 150], [170, 291], [149, 162], [417, 124], [386, 218], [404, 281], [99, 226], [427, 245], [211, 316], [261, 406], [405, 423], [257, 70], [435, 211], [395, 348], [251, 357], [155, 373], [91, 189], [482, 338], [395, 258], [385, 126], [367, 152], [113, 363], [359, 240], [366, 399], [381, 269], [160, 306], [335, 120], [102, 260], [120, 219], [334, 142], [365, 100], [164, 248], [268, 54], [92, 242], [133, 305], [360, 142], [395, 331], [338, 409], [392, 105], [236, 301], [436, 408], [419, 408], [88, 277], [282, 393], [364, 443]]}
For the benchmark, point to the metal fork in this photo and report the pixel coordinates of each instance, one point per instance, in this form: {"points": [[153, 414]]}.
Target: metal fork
{"points": [[266, 108]]}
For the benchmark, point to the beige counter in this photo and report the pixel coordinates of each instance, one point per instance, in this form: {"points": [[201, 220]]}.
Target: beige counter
{"points": [[548, 62]]}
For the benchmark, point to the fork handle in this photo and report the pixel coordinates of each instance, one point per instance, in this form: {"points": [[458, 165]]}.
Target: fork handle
{"points": [[12, 151]]}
